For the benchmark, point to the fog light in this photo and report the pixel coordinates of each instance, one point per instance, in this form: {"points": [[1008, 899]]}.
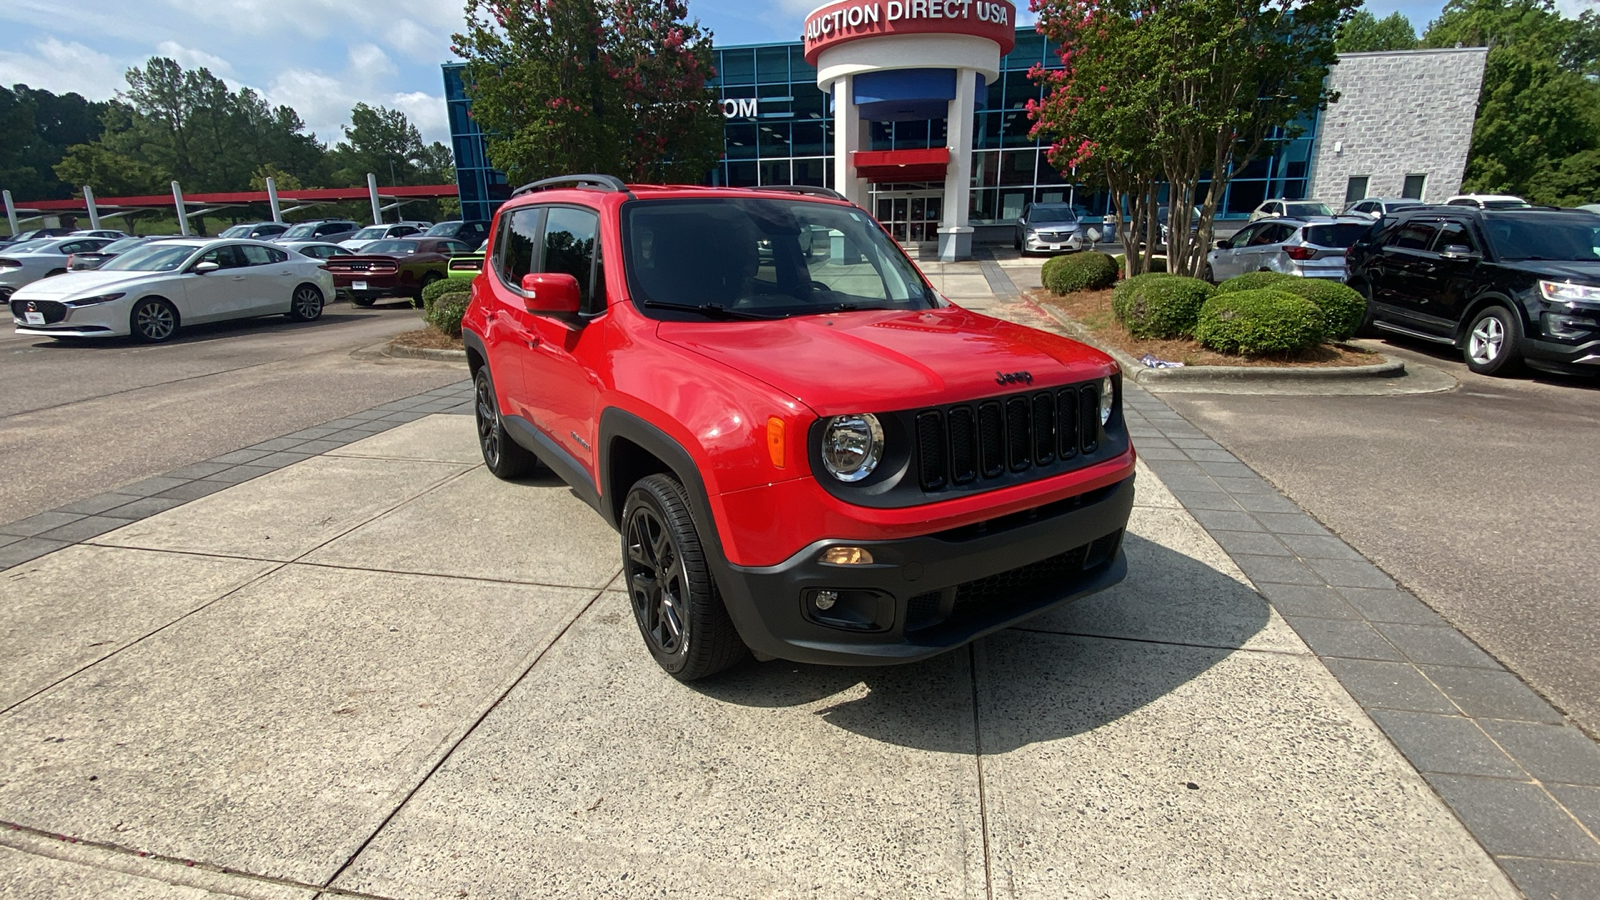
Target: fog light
{"points": [[826, 599], [847, 556]]}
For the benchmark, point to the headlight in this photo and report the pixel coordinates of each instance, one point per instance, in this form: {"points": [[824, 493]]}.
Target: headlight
{"points": [[851, 446], [1566, 293], [1108, 396], [90, 301]]}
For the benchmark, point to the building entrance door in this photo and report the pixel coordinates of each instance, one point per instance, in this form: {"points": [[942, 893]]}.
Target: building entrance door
{"points": [[911, 216]]}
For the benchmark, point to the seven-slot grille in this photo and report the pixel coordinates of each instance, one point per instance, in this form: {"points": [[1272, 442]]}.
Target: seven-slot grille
{"points": [[960, 444]]}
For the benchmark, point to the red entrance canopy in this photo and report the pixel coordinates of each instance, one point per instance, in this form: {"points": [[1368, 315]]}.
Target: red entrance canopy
{"points": [[236, 197], [889, 166]]}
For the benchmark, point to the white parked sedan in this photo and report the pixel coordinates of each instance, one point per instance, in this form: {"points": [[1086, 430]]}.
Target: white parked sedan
{"points": [[152, 290], [28, 261]]}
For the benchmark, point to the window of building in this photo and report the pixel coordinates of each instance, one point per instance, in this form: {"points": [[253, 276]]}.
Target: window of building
{"points": [[1356, 189], [1415, 184]]}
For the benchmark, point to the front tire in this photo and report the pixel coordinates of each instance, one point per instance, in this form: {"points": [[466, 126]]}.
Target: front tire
{"points": [[305, 305], [502, 456], [674, 598], [1492, 339], [1208, 276], [153, 320]]}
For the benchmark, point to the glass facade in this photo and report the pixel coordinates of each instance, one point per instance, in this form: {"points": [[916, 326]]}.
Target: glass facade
{"points": [[779, 130], [482, 187]]}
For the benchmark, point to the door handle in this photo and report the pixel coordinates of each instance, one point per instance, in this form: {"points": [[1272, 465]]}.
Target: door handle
{"points": [[532, 342]]}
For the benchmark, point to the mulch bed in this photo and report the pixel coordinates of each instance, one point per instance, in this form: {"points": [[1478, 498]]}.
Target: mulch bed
{"points": [[427, 339], [1092, 310]]}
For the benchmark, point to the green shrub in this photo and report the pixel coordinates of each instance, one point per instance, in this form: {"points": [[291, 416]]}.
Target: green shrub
{"points": [[1342, 307], [446, 310], [1253, 281], [1157, 305], [1259, 322], [1086, 270], [444, 286], [1157, 265]]}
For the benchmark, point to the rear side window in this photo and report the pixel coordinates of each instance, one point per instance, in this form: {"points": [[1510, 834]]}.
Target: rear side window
{"points": [[1415, 236], [255, 256], [519, 234], [1341, 235]]}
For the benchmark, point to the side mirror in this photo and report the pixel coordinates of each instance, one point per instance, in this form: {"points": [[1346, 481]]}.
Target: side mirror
{"points": [[1460, 251], [1224, 244], [550, 292], [204, 268]]}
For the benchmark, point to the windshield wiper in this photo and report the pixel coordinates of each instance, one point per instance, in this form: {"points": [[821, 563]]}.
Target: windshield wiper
{"points": [[710, 309]]}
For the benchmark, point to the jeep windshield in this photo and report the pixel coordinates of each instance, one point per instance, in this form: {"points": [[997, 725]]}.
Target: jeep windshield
{"points": [[763, 258], [1532, 235]]}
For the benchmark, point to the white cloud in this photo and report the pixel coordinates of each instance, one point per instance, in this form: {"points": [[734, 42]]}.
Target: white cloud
{"points": [[62, 67], [427, 112], [368, 63], [190, 58], [429, 45]]}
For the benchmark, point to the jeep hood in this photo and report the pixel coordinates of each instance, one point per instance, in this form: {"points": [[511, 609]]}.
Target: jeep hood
{"points": [[878, 361]]}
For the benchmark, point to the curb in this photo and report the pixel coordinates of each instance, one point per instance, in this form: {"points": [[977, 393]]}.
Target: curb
{"points": [[1139, 373], [396, 350]]}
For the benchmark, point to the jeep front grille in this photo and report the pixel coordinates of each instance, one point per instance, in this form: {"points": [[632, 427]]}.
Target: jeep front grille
{"points": [[963, 443]]}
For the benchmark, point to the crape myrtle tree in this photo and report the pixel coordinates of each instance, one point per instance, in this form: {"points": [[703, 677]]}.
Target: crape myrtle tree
{"points": [[609, 86], [1172, 90]]}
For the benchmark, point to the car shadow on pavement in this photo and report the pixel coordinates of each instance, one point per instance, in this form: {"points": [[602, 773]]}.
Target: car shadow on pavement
{"points": [[1082, 666], [190, 334], [1447, 355]]}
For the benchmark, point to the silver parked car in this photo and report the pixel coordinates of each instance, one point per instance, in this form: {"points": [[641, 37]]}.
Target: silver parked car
{"points": [[1378, 207], [23, 263], [156, 288], [1292, 209], [1310, 248], [1048, 227]]}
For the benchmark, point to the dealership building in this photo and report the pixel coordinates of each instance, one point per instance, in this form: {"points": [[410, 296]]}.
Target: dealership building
{"points": [[916, 109]]}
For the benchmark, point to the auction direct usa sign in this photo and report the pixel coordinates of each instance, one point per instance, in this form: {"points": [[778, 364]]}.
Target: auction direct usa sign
{"points": [[850, 20]]}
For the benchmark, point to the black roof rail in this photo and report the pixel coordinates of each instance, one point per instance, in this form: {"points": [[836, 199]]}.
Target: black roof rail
{"points": [[608, 183], [811, 189]]}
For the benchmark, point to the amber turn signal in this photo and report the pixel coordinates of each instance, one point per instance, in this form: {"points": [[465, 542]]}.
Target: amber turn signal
{"points": [[847, 556], [775, 441]]}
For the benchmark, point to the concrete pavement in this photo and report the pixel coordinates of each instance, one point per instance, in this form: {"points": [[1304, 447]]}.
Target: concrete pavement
{"points": [[365, 666]]}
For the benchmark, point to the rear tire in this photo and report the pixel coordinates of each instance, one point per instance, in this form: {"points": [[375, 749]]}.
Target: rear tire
{"points": [[153, 320], [358, 300], [305, 305], [1207, 275], [1491, 344], [502, 456], [416, 297], [674, 598]]}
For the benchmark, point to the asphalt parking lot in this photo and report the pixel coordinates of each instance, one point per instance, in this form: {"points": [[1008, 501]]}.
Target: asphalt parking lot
{"points": [[356, 664], [1481, 500], [81, 417]]}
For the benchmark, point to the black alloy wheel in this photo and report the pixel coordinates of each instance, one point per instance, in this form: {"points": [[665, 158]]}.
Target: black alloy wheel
{"points": [[1208, 276], [674, 598], [502, 456], [306, 303], [153, 320]]}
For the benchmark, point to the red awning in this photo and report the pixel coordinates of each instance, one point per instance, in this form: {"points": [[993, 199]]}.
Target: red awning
{"points": [[887, 166]]}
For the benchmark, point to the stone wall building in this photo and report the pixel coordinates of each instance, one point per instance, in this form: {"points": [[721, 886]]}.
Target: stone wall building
{"points": [[1402, 125]]}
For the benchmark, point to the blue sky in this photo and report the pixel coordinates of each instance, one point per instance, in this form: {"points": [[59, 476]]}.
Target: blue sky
{"points": [[324, 56]]}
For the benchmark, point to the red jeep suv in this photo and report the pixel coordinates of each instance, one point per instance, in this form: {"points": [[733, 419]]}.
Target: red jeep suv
{"points": [[809, 453]]}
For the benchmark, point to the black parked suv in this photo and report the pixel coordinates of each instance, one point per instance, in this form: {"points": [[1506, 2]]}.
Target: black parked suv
{"points": [[1506, 286]]}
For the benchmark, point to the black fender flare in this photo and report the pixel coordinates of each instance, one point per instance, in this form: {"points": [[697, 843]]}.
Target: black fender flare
{"points": [[618, 423]]}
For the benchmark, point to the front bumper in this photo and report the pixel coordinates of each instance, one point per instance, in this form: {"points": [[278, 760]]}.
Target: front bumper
{"points": [[1575, 358], [925, 595], [1053, 242]]}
